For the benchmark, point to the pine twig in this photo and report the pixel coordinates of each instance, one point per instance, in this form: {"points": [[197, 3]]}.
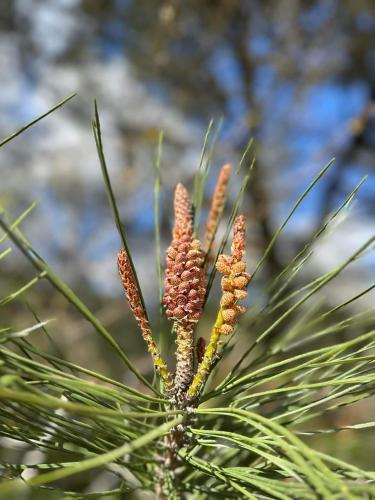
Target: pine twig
{"points": [[133, 296], [233, 284], [184, 287]]}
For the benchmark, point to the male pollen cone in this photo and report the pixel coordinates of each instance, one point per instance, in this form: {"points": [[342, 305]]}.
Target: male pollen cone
{"points": [[185, 282], [235, 279], [218, 203], [135, 302]]}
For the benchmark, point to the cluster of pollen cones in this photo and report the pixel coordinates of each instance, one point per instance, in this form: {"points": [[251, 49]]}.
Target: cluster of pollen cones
{"points": [[185, 281], [185, 292], [235, 279]]}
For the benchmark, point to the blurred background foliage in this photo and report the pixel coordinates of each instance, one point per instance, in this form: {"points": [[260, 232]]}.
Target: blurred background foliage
{"points": [[298, 76]]}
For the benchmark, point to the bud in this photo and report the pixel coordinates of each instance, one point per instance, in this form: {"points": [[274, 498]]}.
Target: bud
{"points": [[217, 204], [227, 299]]}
